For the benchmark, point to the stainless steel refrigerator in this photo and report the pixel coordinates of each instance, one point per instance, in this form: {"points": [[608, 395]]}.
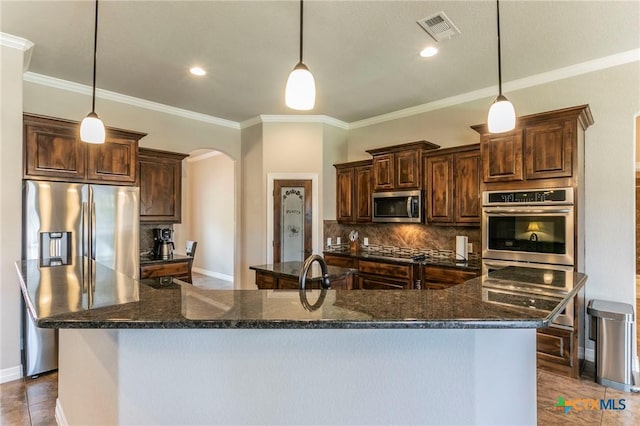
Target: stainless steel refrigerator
{"points": [[75, 226]]}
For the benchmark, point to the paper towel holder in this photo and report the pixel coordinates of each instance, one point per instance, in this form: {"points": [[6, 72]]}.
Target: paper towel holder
{"points": [[461, 247]]}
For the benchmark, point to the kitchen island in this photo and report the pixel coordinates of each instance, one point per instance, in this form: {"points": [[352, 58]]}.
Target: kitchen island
{"points": [[165, 352]]}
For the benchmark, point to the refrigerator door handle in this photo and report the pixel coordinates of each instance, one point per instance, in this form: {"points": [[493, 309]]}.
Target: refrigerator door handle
{"points": [[93, 231], [85, 229]]}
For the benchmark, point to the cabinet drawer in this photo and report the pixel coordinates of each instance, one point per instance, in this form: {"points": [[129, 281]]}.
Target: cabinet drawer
{"points": [[386, 269], [377, 283], [165, 270], [343, 262], [446, 275], [265, 281], [555, 345]]}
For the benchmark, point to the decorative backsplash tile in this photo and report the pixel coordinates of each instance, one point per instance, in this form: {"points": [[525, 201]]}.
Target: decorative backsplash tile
{"points": [[405, 234]]}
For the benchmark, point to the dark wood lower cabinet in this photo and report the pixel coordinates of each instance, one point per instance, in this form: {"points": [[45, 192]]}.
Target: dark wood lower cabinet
{"points": [[368, 282], [440, 277], [557, 351], [179, 270], [273, 281]]}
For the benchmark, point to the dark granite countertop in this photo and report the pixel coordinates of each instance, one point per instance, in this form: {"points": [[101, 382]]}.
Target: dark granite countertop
{"points": [[147, 259], [446, 261], [292, 270], [62, 297]]}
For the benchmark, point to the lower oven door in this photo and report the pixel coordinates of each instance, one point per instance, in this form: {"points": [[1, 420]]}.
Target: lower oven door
{"points": [[540, 281], [543, 234], [532, 301]]}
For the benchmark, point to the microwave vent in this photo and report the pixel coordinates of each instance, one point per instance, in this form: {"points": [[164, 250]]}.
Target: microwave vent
{"points": [[439, 26]]}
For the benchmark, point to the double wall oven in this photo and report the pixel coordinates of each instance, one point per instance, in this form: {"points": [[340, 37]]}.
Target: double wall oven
{"points": [[534, 230]]}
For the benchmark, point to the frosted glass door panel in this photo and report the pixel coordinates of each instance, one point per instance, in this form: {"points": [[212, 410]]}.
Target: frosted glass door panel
{"points": [[292, 223]]}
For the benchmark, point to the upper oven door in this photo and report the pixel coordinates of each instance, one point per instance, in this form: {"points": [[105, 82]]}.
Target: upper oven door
{"points": [[543, 234]]}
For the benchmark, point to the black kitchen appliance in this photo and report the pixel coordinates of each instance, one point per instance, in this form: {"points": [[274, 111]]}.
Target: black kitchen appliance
{"points": [[163, 243]]}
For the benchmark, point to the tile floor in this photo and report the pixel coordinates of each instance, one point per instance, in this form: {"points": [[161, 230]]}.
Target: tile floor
{"points": [[205, 281]]}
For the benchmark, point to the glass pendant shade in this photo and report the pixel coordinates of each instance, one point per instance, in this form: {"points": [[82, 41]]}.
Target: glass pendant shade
{"points": [[92, 129], [502, 116], [300, 92]]}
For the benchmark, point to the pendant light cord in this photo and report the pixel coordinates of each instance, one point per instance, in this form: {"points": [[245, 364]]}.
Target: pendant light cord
{"points": [[301, 26], [499, 51], [95, 48]]}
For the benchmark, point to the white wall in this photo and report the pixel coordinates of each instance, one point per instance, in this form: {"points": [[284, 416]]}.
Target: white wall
{"points": [[253, 206], [10, 213], [211, 213], [334, 151]]}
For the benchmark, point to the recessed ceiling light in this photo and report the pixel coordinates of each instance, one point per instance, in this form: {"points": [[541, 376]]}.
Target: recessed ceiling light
{"points": [[428, 52], [197, 71]]}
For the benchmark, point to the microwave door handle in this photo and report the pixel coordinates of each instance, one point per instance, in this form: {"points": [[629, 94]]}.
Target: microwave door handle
{"points": [[409, 207]]}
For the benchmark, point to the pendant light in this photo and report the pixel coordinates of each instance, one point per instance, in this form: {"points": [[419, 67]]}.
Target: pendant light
{"points": [[92, 128], [300, 92], [502, 116]]}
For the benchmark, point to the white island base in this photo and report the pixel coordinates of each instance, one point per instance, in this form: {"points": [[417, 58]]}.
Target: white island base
{"points": [[296, 376]]}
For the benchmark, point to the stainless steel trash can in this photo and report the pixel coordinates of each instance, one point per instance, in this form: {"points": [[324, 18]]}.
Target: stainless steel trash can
{"points": [[611, 325]]}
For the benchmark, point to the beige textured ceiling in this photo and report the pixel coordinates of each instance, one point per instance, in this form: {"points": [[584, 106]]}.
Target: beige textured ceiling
{"points": [[363, 54]]}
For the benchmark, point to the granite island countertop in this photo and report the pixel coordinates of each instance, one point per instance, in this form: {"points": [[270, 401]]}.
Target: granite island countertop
{"points": [[62, 297]]}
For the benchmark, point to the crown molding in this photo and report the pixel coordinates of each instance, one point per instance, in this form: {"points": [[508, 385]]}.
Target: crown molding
{"points": [[523, 83], [487, 92], [18, 43], [125, 99], [15, 42], [266, 118]]}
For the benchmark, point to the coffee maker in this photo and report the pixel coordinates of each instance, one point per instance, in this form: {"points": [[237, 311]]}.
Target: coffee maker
{"points": [[162, 243]]}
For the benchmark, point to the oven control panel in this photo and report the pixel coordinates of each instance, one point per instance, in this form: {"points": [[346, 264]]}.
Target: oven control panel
{"points": [[531, 197]]}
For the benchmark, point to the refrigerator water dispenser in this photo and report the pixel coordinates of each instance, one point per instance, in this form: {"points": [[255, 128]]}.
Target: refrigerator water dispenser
{"points": [[55, 248]]}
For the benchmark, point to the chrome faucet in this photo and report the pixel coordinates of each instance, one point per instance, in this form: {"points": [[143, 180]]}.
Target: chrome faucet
{"points": [[302, 279]]}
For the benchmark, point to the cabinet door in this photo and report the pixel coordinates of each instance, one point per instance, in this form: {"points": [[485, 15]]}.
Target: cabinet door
{"points": [[502, 157], [467, 188], [345, 179], [440, 188], [548, 150], [383, 172], [407, 169], [160, 189], [53, 151], [362, 196], [114, 161]]}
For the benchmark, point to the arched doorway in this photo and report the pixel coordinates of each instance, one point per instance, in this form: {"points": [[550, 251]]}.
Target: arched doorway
{"points": [[209, 218]]}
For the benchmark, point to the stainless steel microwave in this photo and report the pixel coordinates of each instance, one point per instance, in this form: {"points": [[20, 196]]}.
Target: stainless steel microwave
{"points": [[398, 207]]}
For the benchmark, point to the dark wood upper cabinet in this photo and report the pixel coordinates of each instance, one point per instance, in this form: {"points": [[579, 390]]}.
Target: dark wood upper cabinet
{"points": [[383, 172], [160, 186], [353, 191], [542, 151], [548, 150], [399, 167], [502, 157], [452, 181], [53, 151]]}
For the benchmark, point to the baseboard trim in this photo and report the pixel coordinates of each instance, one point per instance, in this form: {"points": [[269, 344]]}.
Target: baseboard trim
{"points": [[60, 417], [10, 374], [213, 274]]}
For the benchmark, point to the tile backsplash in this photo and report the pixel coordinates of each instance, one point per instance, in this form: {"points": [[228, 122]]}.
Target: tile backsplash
{"points": [[404, 234]]}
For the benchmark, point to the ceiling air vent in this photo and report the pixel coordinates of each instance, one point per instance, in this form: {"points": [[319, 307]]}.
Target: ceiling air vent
{"points": [[439, 26]]}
